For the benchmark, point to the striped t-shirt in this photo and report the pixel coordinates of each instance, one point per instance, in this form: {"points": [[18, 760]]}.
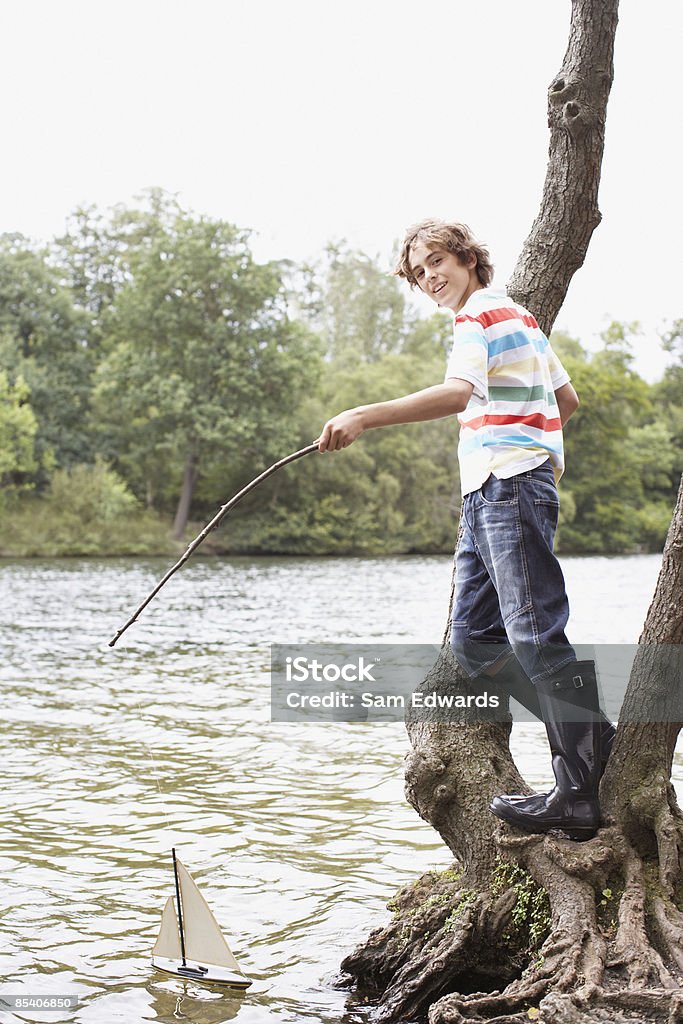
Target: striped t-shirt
{"points": [[511, 423]]}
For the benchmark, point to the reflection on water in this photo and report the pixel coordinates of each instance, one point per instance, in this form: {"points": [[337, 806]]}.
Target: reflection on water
{"points": [[296, 834]]}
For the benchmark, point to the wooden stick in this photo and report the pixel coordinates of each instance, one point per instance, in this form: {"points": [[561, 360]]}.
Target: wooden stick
{"points": [[211, 526]]}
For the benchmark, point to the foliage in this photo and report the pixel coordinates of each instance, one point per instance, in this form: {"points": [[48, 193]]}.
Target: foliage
{"points": [[87, 510], [203, 361], [391, 492], [531, 912], [43, 342], [620, 485], [18, 429], [668, 397], [354, 306], [467, 899], [91, 494], [148, 341]]}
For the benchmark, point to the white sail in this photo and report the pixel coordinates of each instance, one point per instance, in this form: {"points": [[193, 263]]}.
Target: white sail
{"points": [[203, 938], [168, 939]]}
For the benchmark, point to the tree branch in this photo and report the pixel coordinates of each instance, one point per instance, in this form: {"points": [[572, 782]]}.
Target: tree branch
{"points": [[577, 107]]}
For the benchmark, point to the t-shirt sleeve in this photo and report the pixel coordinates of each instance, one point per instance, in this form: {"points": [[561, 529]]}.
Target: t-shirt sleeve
{"points": [[558, 374], [469, 358]]}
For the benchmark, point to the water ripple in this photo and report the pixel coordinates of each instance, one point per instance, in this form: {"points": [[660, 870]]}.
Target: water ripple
{"points": [[297, 834]]}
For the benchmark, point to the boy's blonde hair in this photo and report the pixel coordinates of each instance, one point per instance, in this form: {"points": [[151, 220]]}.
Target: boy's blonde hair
{"points": [[453, 237]]}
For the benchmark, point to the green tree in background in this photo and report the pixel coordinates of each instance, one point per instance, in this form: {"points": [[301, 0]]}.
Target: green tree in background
{"points": [[91, 258], [203, 365], [617, 490], [355, 306], [668, 397], [147, 360], [397, 491], [44, 342], [18, 429]]}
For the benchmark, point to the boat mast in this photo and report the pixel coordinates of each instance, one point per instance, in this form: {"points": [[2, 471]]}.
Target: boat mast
{"points": [[180, 912]]}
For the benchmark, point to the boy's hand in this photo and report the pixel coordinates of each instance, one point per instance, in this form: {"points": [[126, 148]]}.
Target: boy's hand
{"points": [[341, 431]]}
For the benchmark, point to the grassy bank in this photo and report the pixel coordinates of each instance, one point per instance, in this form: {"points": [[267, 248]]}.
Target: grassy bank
{"points": [[40, 528], [88, 511], [36, 528]]}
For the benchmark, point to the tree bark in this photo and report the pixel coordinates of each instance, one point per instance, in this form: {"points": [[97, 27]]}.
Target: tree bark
{"points": [[577, 108], [190, 475], [535, 926]]}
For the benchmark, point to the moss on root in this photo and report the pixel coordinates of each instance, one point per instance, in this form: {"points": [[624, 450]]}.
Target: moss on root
{"points": [[530, 919]]}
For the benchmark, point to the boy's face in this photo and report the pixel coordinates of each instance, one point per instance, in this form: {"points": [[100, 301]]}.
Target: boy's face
{"points": [[442, 276]]}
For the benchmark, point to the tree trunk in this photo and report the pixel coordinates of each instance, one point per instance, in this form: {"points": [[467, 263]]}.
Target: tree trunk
{"points": [[528, 920], [533, 926], [577, 108], [190, 475]]}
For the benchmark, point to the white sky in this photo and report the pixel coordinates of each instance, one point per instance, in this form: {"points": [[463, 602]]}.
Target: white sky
{"points": [[312, 120]]}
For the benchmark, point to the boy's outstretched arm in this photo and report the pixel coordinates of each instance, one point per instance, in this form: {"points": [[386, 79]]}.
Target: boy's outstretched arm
{"points": [[429, 404]]}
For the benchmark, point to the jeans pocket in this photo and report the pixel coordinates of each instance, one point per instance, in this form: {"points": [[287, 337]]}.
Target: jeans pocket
{"points": [[499, 492], [545, 493], [547, 515]]}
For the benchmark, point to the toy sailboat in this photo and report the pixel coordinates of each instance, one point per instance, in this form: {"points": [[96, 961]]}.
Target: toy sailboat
{"points": [[191, 944]]}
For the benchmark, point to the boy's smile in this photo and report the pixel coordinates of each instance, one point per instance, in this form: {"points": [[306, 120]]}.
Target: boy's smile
{"points": [[442, 276]]}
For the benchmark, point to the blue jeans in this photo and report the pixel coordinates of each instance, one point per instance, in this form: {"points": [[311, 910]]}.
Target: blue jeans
{"points": [[509, 589]]}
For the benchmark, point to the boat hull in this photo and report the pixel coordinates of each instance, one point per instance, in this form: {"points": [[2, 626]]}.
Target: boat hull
{"points": [[208, 974]]}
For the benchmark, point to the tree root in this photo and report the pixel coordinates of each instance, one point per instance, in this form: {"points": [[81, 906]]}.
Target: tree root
{"points": [[669, 835], [594, 1004], [455, 949], [437, 941], [670, 927], [633, 948]]}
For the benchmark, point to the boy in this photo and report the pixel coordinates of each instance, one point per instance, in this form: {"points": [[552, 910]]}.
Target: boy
{"points": [[512, 397]]}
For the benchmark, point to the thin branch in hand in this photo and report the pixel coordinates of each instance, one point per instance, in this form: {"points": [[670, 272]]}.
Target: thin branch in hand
{"points": [[224, 509]]}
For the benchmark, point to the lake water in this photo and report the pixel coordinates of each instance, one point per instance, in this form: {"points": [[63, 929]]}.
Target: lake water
{"points": [[297, 834]]}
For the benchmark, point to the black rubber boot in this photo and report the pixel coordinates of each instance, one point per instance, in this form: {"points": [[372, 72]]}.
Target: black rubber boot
{"points": [[513, 680], [607, 734], [570, 709]]}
